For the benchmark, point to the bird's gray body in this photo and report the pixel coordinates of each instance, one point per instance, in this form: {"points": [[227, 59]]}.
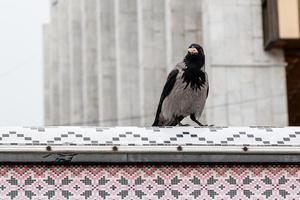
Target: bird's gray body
{"points": [[183, 100]]}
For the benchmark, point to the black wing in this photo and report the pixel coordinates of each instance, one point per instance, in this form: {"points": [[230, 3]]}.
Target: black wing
{"points": [[166, 91]]}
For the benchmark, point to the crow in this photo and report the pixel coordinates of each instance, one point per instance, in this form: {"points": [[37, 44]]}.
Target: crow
{"points": [[185, 91]]}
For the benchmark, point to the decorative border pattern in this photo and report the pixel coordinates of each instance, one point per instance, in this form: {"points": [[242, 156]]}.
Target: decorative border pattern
{"points": [[151, 136], [222, 182]]}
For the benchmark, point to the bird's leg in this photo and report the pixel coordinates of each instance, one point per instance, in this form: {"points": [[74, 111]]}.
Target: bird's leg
{"points": [[193, 117]]}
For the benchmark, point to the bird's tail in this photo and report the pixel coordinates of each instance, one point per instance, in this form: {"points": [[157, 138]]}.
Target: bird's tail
{"points": [[155, 123]]}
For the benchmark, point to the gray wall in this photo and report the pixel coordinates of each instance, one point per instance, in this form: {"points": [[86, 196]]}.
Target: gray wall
{"points": [[76, 63], [107, 68], [64, 62], [248, 85], [120, 51], [90, 62], [53, 78], [128, 76], [47, 75]]}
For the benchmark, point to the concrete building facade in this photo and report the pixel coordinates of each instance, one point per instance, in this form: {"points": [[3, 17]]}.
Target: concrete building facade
{"points": [[107, 62]]}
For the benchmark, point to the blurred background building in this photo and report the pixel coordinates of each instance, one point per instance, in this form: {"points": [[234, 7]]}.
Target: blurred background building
{"points": [[106, 61]]}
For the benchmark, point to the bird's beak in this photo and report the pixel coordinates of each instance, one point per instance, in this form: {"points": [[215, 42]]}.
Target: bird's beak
{"points": [[192, 50]]}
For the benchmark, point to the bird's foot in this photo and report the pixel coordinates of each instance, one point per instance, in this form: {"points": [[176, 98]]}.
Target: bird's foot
{"points": [[203, 125], [180, 124], [206, 125]]}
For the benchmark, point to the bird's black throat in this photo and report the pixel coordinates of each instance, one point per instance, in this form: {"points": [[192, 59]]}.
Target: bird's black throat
{"points": [[193, 76]]}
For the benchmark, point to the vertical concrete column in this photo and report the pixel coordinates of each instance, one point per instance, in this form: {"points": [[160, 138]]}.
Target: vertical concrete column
{"points": [[47, 74], [176, 40], [152, 55], [128, 75], [64, 62], [107, 59], [185, 25], [90, 62], [54, 64], [76, 61]]}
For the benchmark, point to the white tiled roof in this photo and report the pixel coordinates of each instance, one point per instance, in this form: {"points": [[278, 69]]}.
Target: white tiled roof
{"points": [[151, 140]]}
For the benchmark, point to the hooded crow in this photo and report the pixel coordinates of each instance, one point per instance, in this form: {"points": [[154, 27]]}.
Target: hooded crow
{"points": [[185, 91]]}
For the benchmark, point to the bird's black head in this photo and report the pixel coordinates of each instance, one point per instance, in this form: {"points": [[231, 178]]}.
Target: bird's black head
{"points": [[194, 60], [195, 55]]}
